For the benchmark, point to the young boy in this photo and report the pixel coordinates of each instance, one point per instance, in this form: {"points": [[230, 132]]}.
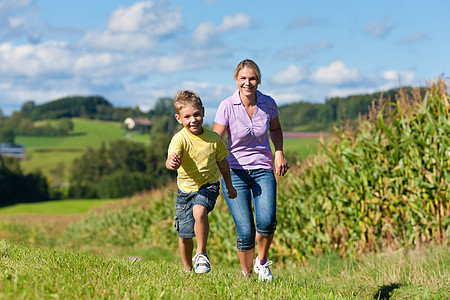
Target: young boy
{"points": [[197, 154]]}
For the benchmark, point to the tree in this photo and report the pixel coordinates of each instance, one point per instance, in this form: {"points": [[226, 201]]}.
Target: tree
{"points": [[27, 108], [6, 135]]}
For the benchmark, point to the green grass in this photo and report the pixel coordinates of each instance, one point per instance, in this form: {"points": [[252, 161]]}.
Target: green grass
{"points": [[302, 146], [74, 206], [86, 133], [50, 154], [139, 137], [33, 273]]}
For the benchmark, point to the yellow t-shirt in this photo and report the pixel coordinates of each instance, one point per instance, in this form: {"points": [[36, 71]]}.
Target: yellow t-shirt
{"points": [[199, 154]]}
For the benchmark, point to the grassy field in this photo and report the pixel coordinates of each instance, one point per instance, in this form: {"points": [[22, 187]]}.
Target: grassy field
{"points": [[34, 264], [53, 156], [34, 273], [302, 146], [73, 206], [50, 154]]}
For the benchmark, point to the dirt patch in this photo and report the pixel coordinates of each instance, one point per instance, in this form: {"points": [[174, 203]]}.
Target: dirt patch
{"points": [[294, 135], [50, 223]]}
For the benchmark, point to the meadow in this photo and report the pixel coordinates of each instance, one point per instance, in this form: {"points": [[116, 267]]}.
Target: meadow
{"points": [[37, 262], [367, 217], [53, 156]]}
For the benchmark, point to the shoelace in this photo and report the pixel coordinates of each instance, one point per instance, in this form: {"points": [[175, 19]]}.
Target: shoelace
{"points": [[200, 259], [265, 267]]}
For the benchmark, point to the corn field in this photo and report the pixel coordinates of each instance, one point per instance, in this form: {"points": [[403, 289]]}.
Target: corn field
{"points": [[383, 184]]}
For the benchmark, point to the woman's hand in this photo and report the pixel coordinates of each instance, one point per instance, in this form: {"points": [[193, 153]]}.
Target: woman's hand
{"points": [[281, 164], [232, 193]]}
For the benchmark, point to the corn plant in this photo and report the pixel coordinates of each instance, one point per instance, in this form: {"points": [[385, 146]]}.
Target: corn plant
{"points": [[385, 184]]}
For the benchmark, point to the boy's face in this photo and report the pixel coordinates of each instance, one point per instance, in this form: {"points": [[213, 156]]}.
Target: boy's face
{"points": [[191, 117]]}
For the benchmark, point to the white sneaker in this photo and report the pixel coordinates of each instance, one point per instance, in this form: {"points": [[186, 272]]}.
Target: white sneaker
{"points": [[263, 271], [201, 263], [245, 275]]}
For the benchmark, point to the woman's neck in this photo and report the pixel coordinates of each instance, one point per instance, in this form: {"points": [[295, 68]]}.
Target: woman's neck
{"points": [[248, 100]]}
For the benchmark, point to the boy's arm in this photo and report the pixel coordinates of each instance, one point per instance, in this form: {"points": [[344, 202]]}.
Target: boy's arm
{"points": [[225, 170]]}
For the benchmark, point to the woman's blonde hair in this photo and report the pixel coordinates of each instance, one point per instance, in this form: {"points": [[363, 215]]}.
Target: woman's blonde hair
{"points": [[248, 63]]}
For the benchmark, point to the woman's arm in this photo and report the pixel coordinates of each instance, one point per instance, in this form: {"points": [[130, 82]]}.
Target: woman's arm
{"points": [[276, 135], [220, 129]]}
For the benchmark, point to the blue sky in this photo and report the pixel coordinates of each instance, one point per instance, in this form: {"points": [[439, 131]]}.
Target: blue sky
{"points": [[134, 53]]}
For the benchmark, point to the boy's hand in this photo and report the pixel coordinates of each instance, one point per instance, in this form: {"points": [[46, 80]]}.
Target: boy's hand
{"points": [[232, 193], [173, 161]]}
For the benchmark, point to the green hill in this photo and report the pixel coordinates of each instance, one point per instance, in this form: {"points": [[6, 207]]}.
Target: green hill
{"points": [[306, 116], [54, 155], [88, 107]]}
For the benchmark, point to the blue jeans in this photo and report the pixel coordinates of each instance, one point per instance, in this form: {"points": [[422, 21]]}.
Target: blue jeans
{"points": [[257, 187], [184, 219]]}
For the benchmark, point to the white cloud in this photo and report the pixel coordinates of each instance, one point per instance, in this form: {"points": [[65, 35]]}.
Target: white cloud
{"points": [[304, 51], [403, 77], [137, 27], [120, 41], [154, 18], [305, 21], [33, 60], [379, 29], [94, 64], [338, 92], [413, 38], [335, 73], [205, 31], [17, 22], [286, 97], [6, 6], [290, 75]]}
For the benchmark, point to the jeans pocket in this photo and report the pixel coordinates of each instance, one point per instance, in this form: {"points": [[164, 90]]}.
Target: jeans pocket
{"points": [[176, 223], [180, 211]]}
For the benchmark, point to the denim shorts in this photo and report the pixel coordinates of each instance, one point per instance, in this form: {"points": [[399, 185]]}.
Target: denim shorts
{"points": [[206, 196], [257, 187]]}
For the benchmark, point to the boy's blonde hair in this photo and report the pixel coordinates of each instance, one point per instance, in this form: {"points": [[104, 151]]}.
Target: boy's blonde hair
{"points": [[185, 98], [248, 63]]}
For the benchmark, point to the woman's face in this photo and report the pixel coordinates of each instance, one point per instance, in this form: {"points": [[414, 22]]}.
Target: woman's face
{"points": [[247, 82]]}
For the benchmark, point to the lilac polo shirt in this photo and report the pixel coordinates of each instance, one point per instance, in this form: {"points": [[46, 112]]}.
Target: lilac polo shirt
{"points": [[248, 142]]}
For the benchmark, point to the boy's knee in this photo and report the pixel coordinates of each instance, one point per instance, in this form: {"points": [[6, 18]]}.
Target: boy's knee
{"points": [[199, 212]]}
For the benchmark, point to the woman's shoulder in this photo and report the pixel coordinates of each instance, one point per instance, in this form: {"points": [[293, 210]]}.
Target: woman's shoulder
{"points": [[232, 99], [266, 98]]}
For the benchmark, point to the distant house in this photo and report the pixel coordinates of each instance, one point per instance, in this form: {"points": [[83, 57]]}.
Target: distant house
{"points": [[14, 150], [133, 123]]}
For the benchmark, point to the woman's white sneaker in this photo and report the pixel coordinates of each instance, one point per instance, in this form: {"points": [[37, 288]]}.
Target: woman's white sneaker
{"points": [[263, 271]]}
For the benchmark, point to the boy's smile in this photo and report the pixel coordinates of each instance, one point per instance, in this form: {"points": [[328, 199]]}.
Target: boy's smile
{"points": [[191, 117]]}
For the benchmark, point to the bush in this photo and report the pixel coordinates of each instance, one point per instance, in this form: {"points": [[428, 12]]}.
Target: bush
{"points": [[121, 184]]}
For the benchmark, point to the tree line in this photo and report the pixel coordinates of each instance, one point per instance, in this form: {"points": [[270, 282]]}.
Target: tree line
{"points": [[124, 167], [306, 116], [116, 170], [89, 107], [16, 187]]}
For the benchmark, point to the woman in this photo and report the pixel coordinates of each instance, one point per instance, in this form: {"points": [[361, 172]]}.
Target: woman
{"points": [[246, 117]]}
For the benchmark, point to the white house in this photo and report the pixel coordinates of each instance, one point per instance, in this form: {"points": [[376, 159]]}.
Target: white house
{"points": [[133, 123], [14, 150]]}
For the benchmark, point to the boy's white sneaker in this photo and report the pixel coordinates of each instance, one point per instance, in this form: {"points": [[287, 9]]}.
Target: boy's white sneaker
{"points": [[201, 263], [263, 271]]}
